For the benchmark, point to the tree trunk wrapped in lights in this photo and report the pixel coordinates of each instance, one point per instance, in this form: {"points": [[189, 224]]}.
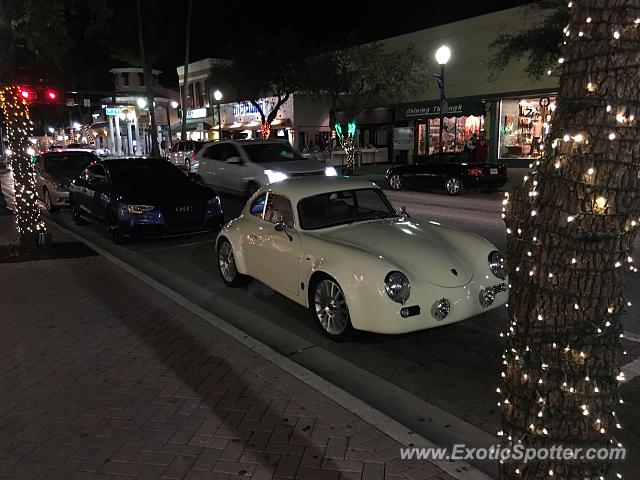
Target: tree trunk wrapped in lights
{"points": [[348, 143], [571, 228], [15, 112]]}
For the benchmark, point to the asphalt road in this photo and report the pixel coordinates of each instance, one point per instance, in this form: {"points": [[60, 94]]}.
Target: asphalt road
{"points": [[455, 368]]}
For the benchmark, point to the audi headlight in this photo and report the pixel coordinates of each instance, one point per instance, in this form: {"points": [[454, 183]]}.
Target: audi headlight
{"points": [[330, 172], [275, 176], [137, 209], [397, 286], [496, 264]]}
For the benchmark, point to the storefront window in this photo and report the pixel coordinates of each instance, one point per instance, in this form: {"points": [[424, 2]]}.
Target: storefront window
{"points": [[457, 130], [422, 139], [523, 124]]}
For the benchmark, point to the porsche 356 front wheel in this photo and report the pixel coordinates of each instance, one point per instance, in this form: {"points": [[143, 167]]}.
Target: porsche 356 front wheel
{"points": [[329, 306]]}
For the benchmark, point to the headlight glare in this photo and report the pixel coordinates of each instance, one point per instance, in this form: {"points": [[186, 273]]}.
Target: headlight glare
{"points": [[275, 176], [497, 264], [397, 286], [137, 209], [330, 172]]}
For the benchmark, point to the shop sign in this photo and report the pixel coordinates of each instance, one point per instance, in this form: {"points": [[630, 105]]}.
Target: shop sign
{"points": [[248, 108], [403, 138], [112, 111], [196, 113], [430, 110], [452, 108]]}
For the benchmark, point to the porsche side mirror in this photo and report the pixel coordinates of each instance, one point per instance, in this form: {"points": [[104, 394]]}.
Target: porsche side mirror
{"points": [[282, 227], [235, 160]]}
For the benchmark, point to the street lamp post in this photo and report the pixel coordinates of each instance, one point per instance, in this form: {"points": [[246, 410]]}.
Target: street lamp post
{"points": [[218, 96], [443, 54]]}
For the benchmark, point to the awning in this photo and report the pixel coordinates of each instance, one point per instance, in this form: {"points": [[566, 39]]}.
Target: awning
{"points": [[192, 124], [456, 108]]}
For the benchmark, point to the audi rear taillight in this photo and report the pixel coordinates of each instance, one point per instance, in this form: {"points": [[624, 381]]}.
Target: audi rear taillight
{"points": [[476, 172]]}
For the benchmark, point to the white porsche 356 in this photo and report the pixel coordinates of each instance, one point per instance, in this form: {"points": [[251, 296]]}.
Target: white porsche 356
{"points": [[338, 247]]}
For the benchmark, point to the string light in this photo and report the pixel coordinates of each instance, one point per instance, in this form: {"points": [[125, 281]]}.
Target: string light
{"points": [[15, 112]]}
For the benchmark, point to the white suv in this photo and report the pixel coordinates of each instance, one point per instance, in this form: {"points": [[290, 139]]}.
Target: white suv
{"points": [[241, 167]]}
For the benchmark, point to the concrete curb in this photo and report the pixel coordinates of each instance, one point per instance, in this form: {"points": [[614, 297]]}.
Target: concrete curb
{"points": [[457, 469]]}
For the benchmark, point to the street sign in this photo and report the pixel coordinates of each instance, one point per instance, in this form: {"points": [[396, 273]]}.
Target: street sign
{"points": [[87, 102], [112, 111], [71, 102]]}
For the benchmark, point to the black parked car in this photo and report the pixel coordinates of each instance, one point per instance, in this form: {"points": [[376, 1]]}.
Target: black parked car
{"points": [[144, 196], [451, 171]]}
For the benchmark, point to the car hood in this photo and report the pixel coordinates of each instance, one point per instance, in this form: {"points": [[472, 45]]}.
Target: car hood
{"points": [[295, 167], [160, 196], [416, 247]]}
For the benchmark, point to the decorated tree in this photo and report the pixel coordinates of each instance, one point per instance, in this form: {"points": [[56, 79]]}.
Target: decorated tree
{"points": [[571, 228], [360, 77], [15, 113]]}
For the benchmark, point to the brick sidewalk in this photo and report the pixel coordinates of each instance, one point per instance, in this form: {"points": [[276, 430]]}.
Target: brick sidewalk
{"points": [[101, 377]]}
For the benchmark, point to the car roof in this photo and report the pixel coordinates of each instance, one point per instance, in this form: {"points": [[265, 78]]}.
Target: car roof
{"points": [[109, 161], [67, 153], [302, 187], [274, 141]]}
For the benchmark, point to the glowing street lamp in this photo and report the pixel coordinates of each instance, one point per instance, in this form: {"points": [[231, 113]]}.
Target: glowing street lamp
{"points": [[174, 104], [443, 54], [142, 103], [218, 96]]}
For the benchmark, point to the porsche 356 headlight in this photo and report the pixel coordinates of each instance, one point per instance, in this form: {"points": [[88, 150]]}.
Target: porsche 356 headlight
{"points": [[497, 264], [397, 286]]}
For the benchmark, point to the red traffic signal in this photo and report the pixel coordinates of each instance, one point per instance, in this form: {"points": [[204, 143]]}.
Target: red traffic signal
{"points": [[52, 95], [26, 94]]}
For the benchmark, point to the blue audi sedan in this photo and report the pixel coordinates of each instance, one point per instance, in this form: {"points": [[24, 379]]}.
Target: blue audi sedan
{"points": [[138, 197]]}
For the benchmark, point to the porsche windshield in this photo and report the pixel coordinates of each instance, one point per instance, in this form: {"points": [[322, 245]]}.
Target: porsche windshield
{"points": [[342, 207]]}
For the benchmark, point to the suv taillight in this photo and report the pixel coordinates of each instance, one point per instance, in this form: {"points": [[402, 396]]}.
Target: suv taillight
{"points": [[476, 172], [193, 155]]}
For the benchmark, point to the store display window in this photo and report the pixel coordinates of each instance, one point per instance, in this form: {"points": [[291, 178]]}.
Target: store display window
{"points": [[457, 131], [523, 124]]}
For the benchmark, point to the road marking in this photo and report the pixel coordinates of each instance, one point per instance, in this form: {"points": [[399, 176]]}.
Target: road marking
{"points": [[179, 245]]}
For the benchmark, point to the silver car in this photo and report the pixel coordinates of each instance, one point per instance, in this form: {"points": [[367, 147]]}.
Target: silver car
{"points": [[184, 153], [54, 172], [241, 167]]}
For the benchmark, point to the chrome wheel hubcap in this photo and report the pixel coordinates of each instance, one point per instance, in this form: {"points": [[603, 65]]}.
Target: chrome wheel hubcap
{"points": [[227, 262], [395, 182], [453, 185], [331, 307]]}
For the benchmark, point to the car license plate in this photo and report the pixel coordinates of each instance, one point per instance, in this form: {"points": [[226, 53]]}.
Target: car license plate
{"points": [[493, 171]]}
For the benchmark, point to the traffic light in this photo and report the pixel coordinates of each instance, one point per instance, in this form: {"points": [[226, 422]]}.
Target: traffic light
{"points": [[26, 93], [52, 95]]}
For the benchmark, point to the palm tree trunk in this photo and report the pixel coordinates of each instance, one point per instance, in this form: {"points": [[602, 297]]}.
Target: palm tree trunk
{"points": [[185, 86], [148, 83], [571, 228], [15, 112]]}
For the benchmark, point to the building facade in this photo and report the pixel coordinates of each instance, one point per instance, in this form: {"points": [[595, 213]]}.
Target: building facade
{"points": [[123, 123], [302, 119], [509, 108]]}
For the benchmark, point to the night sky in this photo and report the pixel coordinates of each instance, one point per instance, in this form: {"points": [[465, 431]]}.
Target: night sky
{"points": [[220, 28]]}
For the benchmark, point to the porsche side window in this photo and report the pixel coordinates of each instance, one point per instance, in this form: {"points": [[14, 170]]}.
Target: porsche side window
{"points": [[257, 207], [279, 210]]}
